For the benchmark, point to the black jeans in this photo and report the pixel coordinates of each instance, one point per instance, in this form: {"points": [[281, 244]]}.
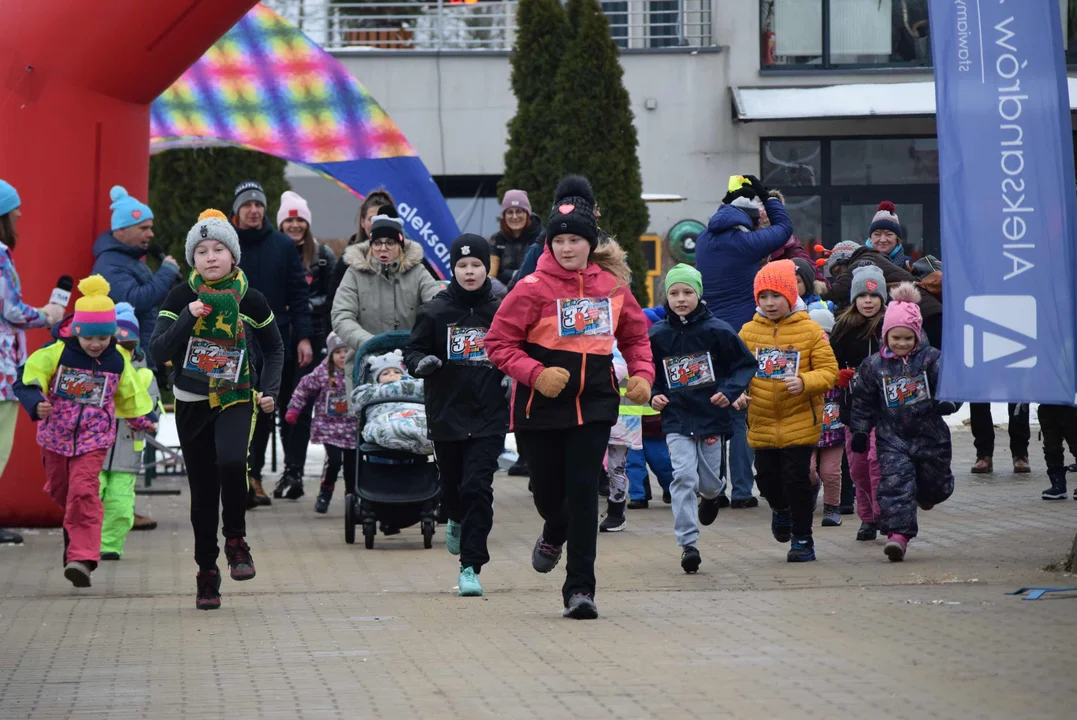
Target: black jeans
{"points": [[337, 459], [783, 477], [214, 445], [467, 470], [564, 467], [1058, 423], [983, 430]]}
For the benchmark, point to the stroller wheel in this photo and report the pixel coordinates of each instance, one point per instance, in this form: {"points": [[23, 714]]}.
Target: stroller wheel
{"points": [[350, 511], [370, 529], [428, 534]]}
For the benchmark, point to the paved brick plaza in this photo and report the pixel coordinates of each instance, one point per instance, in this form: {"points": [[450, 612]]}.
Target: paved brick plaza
{"points": [[328, 630]]}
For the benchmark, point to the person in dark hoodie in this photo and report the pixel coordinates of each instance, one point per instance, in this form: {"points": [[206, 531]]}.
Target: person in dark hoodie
{"points": [[466, 408], [728, 254], [118, 257], [701, 369], [272, 267]]}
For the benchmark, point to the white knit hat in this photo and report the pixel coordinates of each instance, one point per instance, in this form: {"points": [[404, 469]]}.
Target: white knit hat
{"points": [[381, 363], [292, 205], [212, 225]]}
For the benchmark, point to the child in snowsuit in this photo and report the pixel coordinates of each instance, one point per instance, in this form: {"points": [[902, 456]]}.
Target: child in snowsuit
{"points": [[858, 335], [894, 394], [701, 368], [76, 388], [795, 368], [466, 408], [625, 436], [826, 460], [202, 329], [333, 426], [1057, 423], [124, 461], [391, 407]]}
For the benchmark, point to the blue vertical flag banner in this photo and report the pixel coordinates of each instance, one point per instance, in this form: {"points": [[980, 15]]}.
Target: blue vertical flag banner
{"points": [[1006, 188]]}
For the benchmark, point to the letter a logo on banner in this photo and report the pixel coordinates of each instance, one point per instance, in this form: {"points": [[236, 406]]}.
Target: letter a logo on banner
{"points": [[1006, 181], [1010, 323]]}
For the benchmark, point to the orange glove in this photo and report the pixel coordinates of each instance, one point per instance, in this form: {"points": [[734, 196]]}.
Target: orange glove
{"points": [[551, 381], [638, 391], [845, 376]]}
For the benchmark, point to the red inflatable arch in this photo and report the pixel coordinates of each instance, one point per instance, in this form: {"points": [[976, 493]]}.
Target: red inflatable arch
{"points": [[77, 80]]}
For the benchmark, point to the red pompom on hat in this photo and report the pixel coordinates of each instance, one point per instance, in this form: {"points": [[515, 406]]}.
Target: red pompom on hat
{"points": [[886, 219]]}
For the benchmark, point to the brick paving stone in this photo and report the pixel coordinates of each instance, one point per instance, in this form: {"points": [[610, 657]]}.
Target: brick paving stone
{"points": [[328, 630]]}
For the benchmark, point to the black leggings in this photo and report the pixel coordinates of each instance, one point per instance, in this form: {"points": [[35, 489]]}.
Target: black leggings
{"points": [[214, 445], [1058, 423], [337, 459], [784, 479], [564, 467], [467, 470]]}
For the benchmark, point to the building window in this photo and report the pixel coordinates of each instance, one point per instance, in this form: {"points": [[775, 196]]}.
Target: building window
{"points": [[839, 34], [665, 22], [617, 14], [833, 187]]}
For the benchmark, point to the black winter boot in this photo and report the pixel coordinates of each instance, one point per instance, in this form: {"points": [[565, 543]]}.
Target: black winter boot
{"points": [[1057, 491]]}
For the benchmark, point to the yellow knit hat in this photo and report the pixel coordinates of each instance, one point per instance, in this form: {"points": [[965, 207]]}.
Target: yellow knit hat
{"points": [[95, 313]]}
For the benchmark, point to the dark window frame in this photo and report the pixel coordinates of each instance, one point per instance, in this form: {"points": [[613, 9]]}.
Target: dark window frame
{"points": [[831, 195]]}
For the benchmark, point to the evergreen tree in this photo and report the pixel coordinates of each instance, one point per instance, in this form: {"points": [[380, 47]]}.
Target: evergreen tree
{"points": [[183, 183], [590, 132], [542, 36]]}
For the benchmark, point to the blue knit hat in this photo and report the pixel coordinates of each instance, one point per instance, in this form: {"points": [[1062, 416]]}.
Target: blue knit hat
{"points": [[9, 198], [126, 323], [126, 211]]}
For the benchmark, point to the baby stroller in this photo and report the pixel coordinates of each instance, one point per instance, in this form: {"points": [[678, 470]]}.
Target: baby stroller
{"points": [[397, 489]]}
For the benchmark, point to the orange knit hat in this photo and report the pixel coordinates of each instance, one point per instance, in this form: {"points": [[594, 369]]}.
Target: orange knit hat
{"points": [[779, 276]]}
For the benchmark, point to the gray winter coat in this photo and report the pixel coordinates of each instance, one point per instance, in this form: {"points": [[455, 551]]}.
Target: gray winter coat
{"points": [[125, 455], [373, 299]]}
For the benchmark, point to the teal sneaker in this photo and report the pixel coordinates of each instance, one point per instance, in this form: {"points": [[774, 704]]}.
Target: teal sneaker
{"points": [[469, 583], [452, 537]]}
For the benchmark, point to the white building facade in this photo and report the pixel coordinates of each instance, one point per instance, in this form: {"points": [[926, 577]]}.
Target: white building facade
{"points": [[830, 101]]}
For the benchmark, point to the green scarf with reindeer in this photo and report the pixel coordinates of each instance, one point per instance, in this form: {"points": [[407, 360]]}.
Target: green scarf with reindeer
{"points": [[224, 327]]}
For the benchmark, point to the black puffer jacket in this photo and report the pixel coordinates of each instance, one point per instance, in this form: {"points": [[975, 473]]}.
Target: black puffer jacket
{"points": [[464, 397], [513, 250], [851, 348], [319, 275]]}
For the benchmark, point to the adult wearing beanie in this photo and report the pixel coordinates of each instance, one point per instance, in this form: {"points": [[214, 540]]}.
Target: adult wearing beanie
{"points": [[383, 288], [554, 337], [119, 258], [295, 219], [728, 254], [272, 267], [17, 318], [519, 229]]}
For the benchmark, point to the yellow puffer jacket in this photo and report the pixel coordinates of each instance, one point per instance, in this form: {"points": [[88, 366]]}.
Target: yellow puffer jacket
{"points": [[777, 419]]}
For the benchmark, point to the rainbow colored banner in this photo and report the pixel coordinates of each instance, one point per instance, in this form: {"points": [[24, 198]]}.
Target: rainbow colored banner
{"points": [[268, 87]]}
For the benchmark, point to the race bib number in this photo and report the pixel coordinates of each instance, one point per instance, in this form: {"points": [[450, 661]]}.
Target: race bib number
{"points": [[775, 364], [831, 416], [336, 404], [902, 391], [205, 357], [687, 371], [466, 344], [584, 316], [80, 386]]}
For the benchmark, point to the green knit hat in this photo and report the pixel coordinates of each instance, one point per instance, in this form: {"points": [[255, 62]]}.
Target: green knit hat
{"points": [[685, 274]]}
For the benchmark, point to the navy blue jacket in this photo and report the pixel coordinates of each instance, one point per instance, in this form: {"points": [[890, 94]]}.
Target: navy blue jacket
{"points": [[273, 268], [728, 256], [690, 411], [131, 280]]}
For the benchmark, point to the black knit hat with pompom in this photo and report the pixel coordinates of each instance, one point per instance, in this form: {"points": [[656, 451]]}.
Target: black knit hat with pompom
{"points": [[573, 211]]}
